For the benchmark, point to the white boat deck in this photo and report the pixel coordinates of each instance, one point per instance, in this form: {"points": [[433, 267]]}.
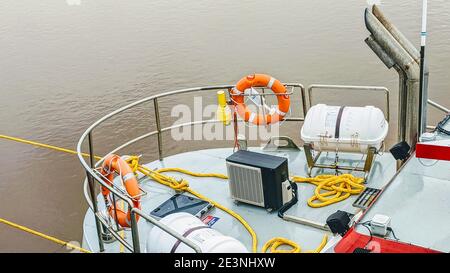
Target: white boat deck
{"points": [[418, 202], [266, 225]]}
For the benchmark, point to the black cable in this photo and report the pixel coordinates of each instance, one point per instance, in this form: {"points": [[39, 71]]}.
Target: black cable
{"points": [[393, 233], [366, 225], [289, 204]]}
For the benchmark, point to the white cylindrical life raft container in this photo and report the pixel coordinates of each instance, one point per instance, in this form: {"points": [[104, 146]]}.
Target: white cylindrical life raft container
{"points": [[344, 128], [208, 239]]}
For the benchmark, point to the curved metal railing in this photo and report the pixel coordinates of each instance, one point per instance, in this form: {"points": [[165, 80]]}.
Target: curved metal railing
{"points": [[381, 89], [93, 176], [439, 107]]}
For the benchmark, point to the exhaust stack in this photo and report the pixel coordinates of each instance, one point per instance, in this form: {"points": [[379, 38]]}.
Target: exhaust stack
{"points": [[396, 51]]}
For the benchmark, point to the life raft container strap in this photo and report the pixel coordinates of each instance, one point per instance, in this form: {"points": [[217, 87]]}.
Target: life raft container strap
{"points": [[189, 231]]}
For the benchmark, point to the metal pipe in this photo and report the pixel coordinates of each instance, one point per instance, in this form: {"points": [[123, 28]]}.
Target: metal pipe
{"points": [[112, 188], [98, 225], [384, 57], [391, 46], [306, 222], [144, 100], [305, 110], [401, 104], [90, 178], [135, 232], [438, 106], [398, 36], [115, 234], [158, 128], [128, 143], [416, 55], [423, 96], [395, 48], [412, 112], [116, 218], [351, 87], [87, 194]]}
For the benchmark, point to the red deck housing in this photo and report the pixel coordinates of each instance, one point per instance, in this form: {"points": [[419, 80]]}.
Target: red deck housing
{"points": [[430, 151], [353, 240]]}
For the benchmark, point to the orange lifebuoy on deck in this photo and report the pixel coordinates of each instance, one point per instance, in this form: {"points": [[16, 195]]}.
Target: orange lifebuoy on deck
{"points": [[115, 164], [260, 80]]}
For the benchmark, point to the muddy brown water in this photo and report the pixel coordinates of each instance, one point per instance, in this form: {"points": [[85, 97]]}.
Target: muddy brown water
{"points": [[64, 64]]}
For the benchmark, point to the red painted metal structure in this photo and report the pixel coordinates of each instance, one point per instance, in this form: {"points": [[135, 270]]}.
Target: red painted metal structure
{"points": [[431, 151], [353, 240]]}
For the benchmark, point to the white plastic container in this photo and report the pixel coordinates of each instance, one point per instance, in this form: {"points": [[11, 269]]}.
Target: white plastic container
{"points": [[360, 128], [208, 239]]}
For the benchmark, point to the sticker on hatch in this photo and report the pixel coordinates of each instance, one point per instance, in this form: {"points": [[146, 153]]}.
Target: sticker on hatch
{"points": [[210, 220]]}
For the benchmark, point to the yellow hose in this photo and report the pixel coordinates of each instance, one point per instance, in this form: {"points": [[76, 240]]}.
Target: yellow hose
{"points": [[331, 189], [37, 144], [184, 186], [275, 243], [179, 170], [42, 235], [321, 246]]}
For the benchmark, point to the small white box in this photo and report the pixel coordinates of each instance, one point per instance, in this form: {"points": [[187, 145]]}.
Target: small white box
{"points": [[379, 224]]}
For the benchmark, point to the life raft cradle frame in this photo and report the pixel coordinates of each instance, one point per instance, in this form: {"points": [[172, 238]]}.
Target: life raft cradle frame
{"points": [[371, 151], [312, 162]]}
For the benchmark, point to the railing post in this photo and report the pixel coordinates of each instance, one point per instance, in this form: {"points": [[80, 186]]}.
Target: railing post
{"points": [[135, 233], [92, 193], [158, 128], [310, 88], [305, 110]]}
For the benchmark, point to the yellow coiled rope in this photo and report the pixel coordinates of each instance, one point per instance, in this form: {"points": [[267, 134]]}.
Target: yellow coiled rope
{"points": [[217, 175], [275, 243], [331, 189], [171, 182], [183, 185]]}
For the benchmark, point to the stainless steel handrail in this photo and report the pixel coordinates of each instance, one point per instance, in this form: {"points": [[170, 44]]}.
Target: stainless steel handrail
{"points": [[352, 87], [438, 106], [370, 88], [93, 176]]}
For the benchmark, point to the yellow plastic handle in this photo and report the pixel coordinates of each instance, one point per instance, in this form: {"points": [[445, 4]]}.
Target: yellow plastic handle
{"points": [[221, 98]]}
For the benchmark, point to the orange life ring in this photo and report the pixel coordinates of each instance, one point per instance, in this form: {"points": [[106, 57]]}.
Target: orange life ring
{"points": [[260, 80], [115, 164]]}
